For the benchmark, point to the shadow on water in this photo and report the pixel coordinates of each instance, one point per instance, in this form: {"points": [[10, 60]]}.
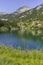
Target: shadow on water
{"points": [[23, 40]]}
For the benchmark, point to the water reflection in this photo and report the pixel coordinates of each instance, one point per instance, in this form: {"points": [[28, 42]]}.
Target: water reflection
{"points": [[24, 40]]}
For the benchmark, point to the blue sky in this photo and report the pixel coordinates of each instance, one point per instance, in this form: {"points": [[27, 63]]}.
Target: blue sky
{"points": [[12, 5]]}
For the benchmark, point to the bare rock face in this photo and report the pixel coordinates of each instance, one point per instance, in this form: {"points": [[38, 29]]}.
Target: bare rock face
{"points": [[22, 9]]}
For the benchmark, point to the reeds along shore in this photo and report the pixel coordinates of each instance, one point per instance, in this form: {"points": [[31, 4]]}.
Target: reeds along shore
{"points": [[12, 56]]}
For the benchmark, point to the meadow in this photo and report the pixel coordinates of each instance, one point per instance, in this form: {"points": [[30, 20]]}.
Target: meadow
{"points": [[12, 56]]}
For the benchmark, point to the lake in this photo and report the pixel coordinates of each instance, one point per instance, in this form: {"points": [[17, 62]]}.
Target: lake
{"points": [[24, 41]]}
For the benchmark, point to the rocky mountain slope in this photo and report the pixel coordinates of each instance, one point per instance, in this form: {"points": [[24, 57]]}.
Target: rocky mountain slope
{"points": [[30, 20], [26, 13]]}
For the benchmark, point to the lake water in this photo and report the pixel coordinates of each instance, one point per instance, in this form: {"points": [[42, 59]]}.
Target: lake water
{"points": [[21, 40]]}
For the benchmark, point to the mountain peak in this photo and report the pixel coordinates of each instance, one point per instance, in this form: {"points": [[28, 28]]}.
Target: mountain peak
{"points": [[22, 9]]}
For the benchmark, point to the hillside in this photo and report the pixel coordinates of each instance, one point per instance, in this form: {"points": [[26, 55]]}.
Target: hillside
{"points": [[20, 13], [30, 20]]}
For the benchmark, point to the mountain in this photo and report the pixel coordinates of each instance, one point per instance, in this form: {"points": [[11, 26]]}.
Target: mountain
{"points": [[13, 14], [3, 13], [34, 13], [26, 13], [22, 9], [30, 20]]}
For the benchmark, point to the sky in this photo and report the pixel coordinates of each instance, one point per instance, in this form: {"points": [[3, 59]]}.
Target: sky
{"points": [[12, 5]]}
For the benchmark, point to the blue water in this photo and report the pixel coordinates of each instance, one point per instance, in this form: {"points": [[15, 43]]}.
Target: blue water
{"points": [[20, 41]]}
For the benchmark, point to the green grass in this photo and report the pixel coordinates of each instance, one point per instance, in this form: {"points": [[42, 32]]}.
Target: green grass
{"points": [[12, 56]]}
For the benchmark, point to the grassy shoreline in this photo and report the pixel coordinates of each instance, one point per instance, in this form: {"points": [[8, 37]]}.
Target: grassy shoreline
{"points": [[12, 56]]}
